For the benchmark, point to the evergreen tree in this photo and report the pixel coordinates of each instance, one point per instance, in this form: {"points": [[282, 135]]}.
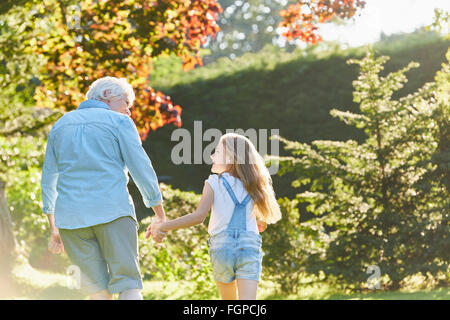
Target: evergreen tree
{"points": [[385, 201]]}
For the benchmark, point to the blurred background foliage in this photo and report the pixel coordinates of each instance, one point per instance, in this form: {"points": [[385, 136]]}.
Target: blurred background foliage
{"points": [[329, 186], [279, 89]]}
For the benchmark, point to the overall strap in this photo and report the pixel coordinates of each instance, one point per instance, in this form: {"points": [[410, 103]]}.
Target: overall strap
{"points": [[238, 220], [232, 195]]}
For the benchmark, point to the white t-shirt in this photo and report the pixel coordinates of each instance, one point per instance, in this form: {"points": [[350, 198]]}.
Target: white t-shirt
{"points": [[223, 205]]}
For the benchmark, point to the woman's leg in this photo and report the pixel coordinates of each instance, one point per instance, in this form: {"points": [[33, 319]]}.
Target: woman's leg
{"points": [[247, 289], [101, 295], [227, 291], [118, 241], [86, 255], [131, 294]]}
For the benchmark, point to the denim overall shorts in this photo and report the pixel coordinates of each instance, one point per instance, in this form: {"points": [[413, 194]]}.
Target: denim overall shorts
{"points": [[235, 252]]}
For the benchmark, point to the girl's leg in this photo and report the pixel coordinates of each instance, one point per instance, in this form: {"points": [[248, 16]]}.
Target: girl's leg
{"points": [[247, 289], [227, 291], [101, 295]]}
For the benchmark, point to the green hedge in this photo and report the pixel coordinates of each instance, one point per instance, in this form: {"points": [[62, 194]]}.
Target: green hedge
{"points": [[275, 89]]}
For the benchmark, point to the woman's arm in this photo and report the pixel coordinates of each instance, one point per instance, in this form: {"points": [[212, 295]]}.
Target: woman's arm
{"points": [[55, 244], [191, 219]]}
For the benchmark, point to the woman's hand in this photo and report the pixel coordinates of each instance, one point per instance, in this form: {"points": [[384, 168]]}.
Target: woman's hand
{"points": [[55, 244], [154, 230], [157, 234]]}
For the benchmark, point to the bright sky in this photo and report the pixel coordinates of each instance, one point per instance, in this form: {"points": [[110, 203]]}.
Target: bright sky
{"points": [[389, 16]]}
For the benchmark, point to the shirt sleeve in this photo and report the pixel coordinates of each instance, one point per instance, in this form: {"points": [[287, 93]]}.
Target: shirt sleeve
{"points": [[213, 181], [49, 179], [138, 163]]}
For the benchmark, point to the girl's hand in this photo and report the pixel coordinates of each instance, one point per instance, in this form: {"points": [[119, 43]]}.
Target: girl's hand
{"points": [[262, 226], [148, 233]]}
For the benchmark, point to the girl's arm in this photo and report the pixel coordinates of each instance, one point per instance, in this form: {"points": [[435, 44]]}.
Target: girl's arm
{"points": [[192, 219]]}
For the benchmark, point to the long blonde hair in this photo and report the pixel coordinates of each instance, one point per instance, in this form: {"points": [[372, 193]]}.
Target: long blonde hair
{"points": [[245, 163]]}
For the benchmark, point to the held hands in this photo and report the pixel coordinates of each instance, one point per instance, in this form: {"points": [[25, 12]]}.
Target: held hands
{"points": [[154, 230], [158, 234], [55, 244]]}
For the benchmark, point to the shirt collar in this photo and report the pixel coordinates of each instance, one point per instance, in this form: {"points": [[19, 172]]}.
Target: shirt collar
{"points": [[93, 104]]}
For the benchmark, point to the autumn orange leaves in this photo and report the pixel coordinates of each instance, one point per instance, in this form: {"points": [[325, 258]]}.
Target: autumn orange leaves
{"points": [[94, 39], [300, 20]]}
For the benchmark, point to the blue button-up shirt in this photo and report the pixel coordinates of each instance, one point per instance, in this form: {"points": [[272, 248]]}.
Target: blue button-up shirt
{"points": [[85, 174]]}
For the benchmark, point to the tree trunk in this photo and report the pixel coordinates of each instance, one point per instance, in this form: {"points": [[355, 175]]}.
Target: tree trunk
{"points": [[7, 239]]}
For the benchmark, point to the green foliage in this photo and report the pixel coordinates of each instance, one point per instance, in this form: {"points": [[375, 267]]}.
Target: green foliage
{"points": [[283, 248], [293, 92], [441, 132], [184, 253], [441, 22], [245, 26], [258, 91], [18, 67], [24, 202], [22, 134], [380, 202], [62, 46], [23, 176]]}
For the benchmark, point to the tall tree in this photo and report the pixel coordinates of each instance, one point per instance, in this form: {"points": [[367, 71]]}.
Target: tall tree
{"points": [[7, 238], [247, 26], [385, 201], [91, 39], [80, 41], [302, 18]]}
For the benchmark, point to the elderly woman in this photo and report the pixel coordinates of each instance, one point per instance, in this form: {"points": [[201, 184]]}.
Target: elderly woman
{"points": [[84, 190]]}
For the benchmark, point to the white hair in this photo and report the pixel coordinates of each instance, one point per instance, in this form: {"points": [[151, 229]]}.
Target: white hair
{"points": [[108, 87]]}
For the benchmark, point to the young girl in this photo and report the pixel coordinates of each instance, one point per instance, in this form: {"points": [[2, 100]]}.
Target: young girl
{"points": [[243, 202]]}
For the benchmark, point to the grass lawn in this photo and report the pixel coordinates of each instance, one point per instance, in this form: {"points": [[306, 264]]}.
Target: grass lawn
{"points": [[30, 283]]}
